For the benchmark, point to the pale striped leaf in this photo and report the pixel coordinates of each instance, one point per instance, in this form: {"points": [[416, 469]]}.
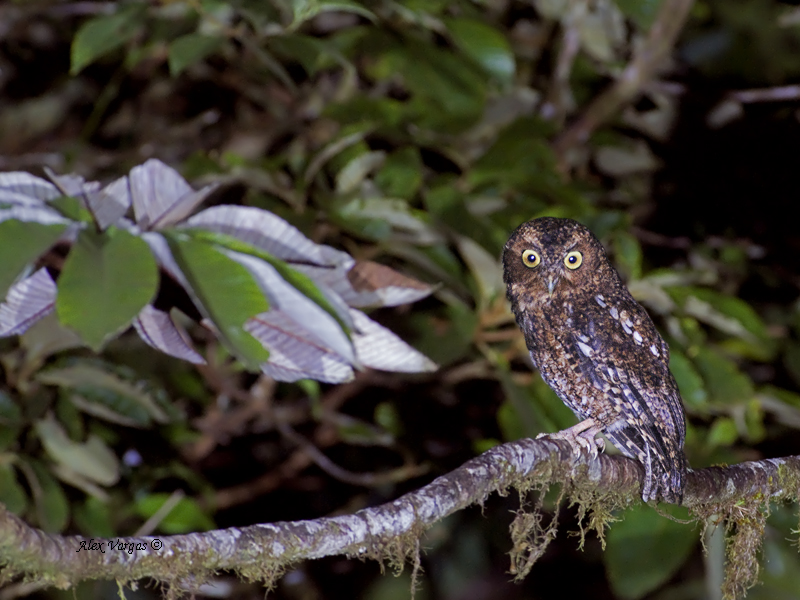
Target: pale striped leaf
{"points": [[158, 330], [294, 352], [12, 198], [33, 214], [323, 296], [18, 184], [368, 283], [285, 298], [27, 301], [160, 196], [107, 205], [379, 348], [161, 250], [268, 232]]}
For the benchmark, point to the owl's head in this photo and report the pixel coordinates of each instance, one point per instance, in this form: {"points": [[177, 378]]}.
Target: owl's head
{"points": [[548, 257]]}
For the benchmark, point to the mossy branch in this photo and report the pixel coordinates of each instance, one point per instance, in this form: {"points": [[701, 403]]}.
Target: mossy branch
{"points": [[390, 531]]}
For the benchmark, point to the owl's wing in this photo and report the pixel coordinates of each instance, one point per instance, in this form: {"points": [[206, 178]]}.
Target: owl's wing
{"points": [[645, 414]]}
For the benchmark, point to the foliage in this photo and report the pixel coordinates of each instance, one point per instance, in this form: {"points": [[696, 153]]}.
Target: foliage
{"points": [[412, 135]]}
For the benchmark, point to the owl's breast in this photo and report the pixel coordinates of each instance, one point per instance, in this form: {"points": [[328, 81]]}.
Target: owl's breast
{"points": [[545, 325], [548, 334]]}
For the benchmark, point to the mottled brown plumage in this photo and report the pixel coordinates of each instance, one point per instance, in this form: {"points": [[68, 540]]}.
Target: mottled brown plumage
{"points": [[597, 348]]}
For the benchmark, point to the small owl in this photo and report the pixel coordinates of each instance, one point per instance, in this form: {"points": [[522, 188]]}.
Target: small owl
{"points": [[597, 348]]}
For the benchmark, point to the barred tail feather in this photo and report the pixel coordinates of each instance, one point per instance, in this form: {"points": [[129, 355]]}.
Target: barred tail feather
{"points": [[665, 466]]}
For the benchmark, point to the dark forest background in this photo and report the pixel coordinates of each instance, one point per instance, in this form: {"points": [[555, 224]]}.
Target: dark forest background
{"points": [[419, 134]]}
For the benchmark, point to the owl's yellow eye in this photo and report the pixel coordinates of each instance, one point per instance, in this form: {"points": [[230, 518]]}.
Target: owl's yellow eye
{"points": [[573, 260], [531, 259]]}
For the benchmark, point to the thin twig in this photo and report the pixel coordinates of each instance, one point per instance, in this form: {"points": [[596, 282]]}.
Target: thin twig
{"points": [[337, 472], [772, 94], [642, 68]]}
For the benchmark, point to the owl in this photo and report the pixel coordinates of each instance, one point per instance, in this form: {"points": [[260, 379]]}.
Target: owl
{"points": [[598, 349]]}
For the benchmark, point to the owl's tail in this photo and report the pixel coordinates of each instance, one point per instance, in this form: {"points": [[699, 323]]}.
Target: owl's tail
{"points": [[664, 463]]}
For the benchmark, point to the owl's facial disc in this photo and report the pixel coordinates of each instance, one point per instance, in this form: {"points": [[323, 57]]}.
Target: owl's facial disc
{"points": [[533, 260], [547, 259]]}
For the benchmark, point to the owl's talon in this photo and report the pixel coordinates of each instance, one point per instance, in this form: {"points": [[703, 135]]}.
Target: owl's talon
{"points": [[588, 445], [581, 437]]}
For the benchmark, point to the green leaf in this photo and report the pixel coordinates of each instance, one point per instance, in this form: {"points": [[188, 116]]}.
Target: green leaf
{"points": [[779, 576], [185, 516], [10, 413], [386, 416], [519, 416], [303, 10], [390, 113], [724, 381], [106, 280], [105, 395], [530, 410], [791, 359], [356, 432], [9, 436], [352, 175], [401, 174], [21, 243], [72, 208], [312, 53], [12, 494], [628, 253], [644, 550], [445, 336], [786, 396], [381, 218], [189, 49], [300, 281], [227, 292], [723, 432], [93, 517], [524, 137], [485, 45], [45, 338], [727, 314], [641, 12], [688, 379], [755, 429], [102, 35], [52, 507], [69, 417], [11, 421], [485, 268], [447, 92], [500, 165], [92, 459]]}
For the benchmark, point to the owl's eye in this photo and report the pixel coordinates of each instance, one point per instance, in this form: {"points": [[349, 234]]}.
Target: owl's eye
{"points": [[531, 259], [573, 260]]}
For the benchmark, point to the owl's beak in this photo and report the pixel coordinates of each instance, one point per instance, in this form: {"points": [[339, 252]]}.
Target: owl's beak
{"points": [[551, 285]]}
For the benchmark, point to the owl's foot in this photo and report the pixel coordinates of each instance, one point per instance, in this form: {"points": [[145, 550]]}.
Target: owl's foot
{"points": [[581, 437]]}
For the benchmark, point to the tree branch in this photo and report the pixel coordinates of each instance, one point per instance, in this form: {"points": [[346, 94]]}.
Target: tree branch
{"points": [[390, 531], [642, 68]]}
